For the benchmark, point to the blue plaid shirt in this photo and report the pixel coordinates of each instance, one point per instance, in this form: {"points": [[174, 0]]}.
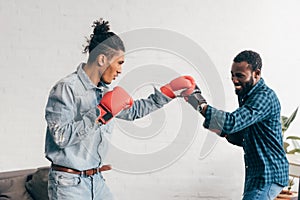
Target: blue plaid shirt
{"points": [[255, 126]]}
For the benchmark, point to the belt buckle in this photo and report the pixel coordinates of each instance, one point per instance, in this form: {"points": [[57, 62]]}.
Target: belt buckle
{"points": [[89, 172]]}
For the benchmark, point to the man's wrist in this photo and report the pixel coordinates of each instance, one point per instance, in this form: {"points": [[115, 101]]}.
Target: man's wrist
{"points": [[202, 108]]}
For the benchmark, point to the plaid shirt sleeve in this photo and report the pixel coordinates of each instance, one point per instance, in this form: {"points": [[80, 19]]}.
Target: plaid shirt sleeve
{"points": [[255, 109]]}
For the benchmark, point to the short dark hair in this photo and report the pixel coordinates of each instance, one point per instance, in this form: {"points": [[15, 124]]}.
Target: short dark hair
{"points": [[102, 41], [251, 58]]}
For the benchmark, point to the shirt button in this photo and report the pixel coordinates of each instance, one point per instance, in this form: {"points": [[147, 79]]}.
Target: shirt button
{"points": [[246, 167], [82, 132]]}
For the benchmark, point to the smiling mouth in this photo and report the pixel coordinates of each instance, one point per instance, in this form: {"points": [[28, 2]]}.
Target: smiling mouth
{"points": [[238, 87]]}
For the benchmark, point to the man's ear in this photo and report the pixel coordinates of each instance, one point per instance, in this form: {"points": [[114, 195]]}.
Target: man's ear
{"points": [[257, 73], [101, 60]]}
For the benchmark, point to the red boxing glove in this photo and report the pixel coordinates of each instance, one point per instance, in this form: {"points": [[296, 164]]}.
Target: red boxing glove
{"points": [[112, 103], [185, 85]]}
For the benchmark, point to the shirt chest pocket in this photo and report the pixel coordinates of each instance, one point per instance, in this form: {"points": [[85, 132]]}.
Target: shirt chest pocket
{"points": [[84, 104]]}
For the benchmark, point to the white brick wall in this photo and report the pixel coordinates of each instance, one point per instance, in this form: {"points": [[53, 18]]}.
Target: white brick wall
{"points": [[41, 41]]}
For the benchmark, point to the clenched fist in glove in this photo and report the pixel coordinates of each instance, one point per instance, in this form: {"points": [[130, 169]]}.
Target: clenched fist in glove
{"points": [[112, 103], [196, 99], [183, 86]]}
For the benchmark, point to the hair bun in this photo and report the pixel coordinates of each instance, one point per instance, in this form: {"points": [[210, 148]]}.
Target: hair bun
{"points": [[100, 27]]}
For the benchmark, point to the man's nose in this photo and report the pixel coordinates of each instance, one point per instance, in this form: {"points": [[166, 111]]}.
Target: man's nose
{"points": [[234, 79], [119, 70]]}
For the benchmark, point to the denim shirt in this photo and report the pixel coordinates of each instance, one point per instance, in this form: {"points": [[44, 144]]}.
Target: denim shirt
{"points": [[255, 126], [73, 138]]}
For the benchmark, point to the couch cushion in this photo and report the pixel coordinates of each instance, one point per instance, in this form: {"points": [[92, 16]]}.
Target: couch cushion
{"points": [[37, 186], [12, 185]]}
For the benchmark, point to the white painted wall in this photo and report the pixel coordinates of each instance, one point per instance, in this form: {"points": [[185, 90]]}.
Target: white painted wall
{"points": [[41, 42]]}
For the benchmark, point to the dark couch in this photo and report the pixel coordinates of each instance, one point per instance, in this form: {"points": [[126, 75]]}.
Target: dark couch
{"points": [[29, 184]]}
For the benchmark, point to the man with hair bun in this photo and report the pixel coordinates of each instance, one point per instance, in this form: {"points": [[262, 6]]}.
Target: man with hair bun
{"points": [[255, 126], [80, 112]]}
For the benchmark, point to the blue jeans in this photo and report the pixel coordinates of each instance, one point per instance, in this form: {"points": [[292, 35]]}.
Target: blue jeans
{"points": [[67, 186], [268, 192]]}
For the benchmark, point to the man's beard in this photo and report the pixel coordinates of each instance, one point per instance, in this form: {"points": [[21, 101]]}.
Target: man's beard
{"points": [[245, 87]]}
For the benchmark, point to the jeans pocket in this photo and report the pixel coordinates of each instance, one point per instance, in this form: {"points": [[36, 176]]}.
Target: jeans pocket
{"points": [[65, 179], [275, 189]]}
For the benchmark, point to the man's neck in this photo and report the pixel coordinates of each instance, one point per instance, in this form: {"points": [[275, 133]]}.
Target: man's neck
{"points": [[92, 72]]}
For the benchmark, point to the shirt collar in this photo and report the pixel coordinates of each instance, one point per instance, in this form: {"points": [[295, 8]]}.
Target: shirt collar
{"points": [[86, 81], [259, 84]]}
